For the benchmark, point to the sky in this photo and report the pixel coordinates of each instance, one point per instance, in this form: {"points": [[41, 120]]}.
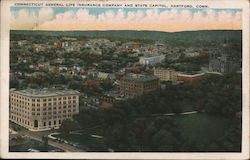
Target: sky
{"points": [[160, 19]]}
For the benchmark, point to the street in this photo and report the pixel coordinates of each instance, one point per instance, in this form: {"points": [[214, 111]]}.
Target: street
{"points": [[38, 136]]}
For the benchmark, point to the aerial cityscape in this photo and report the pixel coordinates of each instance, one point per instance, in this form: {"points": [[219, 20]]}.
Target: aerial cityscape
{"points": [[124, 90]]}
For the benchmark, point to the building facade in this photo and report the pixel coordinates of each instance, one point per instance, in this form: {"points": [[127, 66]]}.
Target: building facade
{"points": [[137, 84], [225, 60], [43, 109], [151, 60], [189, 78], [165, 74]]}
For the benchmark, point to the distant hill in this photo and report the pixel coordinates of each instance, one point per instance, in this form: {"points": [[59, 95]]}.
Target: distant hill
{"points": [[179, 38]]}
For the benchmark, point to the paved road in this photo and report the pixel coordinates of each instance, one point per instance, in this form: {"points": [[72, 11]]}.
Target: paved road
{"points": [[62, 146], [38, 136], [65, 147], [174, 114], [192, 112]]}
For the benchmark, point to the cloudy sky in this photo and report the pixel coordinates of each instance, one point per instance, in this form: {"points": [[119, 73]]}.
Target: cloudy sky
{"points": [[169, 20]]}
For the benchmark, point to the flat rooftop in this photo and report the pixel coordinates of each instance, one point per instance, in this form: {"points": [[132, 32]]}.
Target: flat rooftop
{"points": [[139, 77], [45, 92]]}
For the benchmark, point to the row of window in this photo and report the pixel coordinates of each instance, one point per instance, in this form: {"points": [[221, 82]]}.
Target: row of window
{"points": [[130, 94], [20, 112], [164, 72], [138, 85], [42, 99], [19, 115], [150, 86], [20, 97], [24, 103], [13, 107], [50, 99], [15, 117], [27, 103], [164, 75], [54, 122], [49, 113], [54, 103], [44, 104], [23, 109], [59, 112], [58, 117], [167, 76], [26, 122], [20, 120], [135, 88], [60, 107]]}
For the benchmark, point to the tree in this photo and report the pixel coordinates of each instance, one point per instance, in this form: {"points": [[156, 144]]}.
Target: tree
{"points": [[45, 141], [14, 83], [77, 85], [67, 126], [163, 140]]}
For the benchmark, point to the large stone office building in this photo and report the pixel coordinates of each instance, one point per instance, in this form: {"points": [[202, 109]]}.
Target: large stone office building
{"points": [[43, 109]]}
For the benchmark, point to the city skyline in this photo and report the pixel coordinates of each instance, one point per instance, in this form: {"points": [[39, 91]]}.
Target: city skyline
{"points": [[167, 20]]}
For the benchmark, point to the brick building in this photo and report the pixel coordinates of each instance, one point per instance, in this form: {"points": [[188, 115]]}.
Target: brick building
{"points": [[137, 84], [189, 78]]}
